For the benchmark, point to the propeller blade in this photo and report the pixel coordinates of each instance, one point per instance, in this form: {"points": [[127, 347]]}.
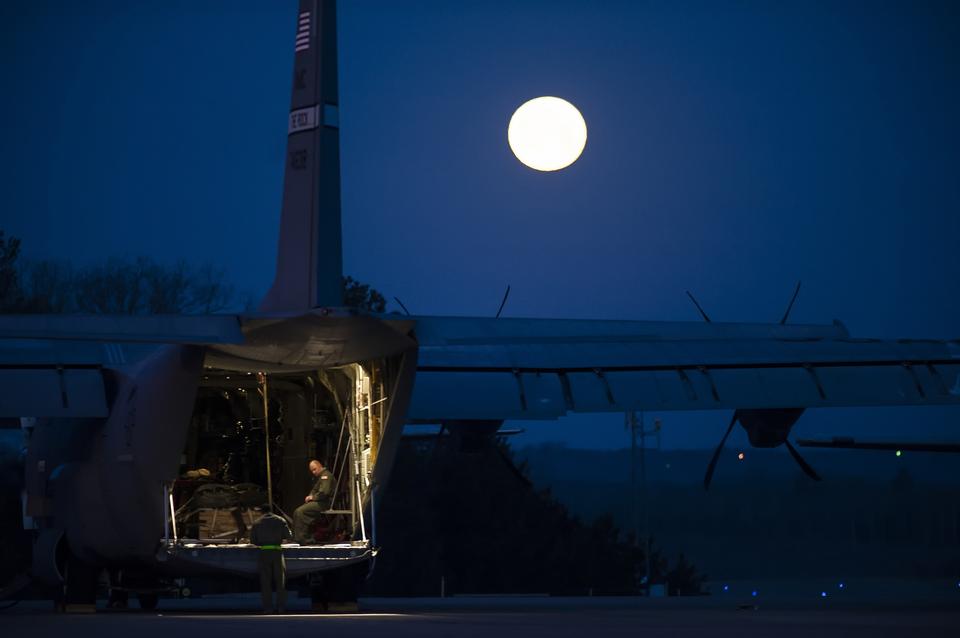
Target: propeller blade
{"points": [[809, 471], [716, 455]]}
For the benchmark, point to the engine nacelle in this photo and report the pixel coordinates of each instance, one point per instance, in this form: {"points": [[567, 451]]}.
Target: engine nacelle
{"points": [[768, 427], [101, 481]]}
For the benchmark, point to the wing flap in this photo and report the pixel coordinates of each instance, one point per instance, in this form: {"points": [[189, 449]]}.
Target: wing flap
{"points": [[480, 369], [673, 353], [486, 395], [52, 392]]}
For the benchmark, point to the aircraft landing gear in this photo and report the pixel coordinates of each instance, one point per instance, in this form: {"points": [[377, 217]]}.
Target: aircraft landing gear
{"points": [[80, 582], [148, 601], [117, 597], [337, 590], [144, 585]]}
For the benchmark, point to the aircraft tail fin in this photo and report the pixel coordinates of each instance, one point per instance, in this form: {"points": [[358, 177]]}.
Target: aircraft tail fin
{"points": [[309, 255]]}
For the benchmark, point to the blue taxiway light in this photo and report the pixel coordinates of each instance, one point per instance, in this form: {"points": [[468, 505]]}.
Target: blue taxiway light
{"points": [[840, 585], [754, 593], [726, 588], [823, 594]]}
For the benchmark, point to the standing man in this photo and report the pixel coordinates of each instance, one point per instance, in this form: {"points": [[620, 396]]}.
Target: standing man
{"points": [[314, 505], [269, 533]]}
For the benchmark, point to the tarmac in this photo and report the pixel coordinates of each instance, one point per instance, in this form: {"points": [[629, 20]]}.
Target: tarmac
{"points": [[781, 610]]}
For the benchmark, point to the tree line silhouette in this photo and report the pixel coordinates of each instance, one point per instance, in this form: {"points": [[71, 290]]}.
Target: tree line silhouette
{"points": [[467, 520]]}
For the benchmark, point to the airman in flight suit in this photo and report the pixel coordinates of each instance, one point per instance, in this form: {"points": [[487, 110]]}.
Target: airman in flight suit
{"points": [[315, 504], [268, 534]]}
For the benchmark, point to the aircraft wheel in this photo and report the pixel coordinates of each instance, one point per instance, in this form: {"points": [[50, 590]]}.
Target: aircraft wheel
{"points": [[80, 586], [117, 599], [337, 590], [148, 601]]}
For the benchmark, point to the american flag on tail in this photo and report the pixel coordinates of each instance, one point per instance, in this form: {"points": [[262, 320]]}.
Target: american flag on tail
{"points": [[303, 32]]}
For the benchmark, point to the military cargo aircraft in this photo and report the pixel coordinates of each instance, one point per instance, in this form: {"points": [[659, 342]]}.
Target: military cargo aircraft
{"points": [[145, 431]]}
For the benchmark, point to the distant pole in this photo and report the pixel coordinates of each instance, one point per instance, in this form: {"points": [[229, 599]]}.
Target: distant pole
{"points": [[262, 379], [634, 511], [635, 494], [646, 508]]}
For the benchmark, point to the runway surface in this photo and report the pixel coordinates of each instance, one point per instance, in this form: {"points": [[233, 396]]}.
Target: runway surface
{"points": [[499, 617]]}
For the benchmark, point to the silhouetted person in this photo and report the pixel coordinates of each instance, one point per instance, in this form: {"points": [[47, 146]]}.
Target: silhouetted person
{"points": [[315, 503], [269, 533]]}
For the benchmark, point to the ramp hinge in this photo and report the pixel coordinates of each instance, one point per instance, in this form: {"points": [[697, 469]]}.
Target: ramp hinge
{"points": [[713, 388], [606, 385], [916, 379], [688, 384], [523, 396], [816, 380], [936, 375], [63, 388], [567, 393]]}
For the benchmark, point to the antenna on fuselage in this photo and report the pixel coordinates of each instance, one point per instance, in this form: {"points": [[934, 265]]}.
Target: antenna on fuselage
{"points": [[504, 302], [397, 299], [790, 307], [702, 313]]}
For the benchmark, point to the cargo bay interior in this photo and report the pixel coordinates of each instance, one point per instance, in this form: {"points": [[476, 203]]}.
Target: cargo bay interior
{"points": [[251, 437]]}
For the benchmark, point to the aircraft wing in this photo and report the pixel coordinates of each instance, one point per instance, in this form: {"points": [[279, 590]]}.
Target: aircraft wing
{"points": [[475, 369], [52, 365], [192, 329]]}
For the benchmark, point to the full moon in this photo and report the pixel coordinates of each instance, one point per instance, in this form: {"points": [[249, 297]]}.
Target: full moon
{"points": [[547, 133]]}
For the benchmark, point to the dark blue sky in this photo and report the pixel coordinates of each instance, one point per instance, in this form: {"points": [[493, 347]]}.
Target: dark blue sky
{"points": [[734, 147]]}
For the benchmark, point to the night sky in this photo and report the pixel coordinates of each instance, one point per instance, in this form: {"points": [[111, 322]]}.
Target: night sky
{"points": [[734, 148]]}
